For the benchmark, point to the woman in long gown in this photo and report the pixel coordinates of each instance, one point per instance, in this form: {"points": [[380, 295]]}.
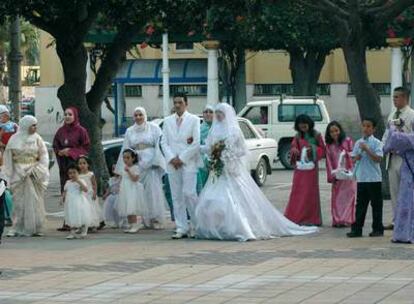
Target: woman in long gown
{"points": [[144, 138], [26, 162], [231, 206], [304, 207], [202, 174], [70, 142], [404, 213], [343, 194]]}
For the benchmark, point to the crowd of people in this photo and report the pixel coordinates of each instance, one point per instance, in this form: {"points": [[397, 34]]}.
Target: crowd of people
{"points": [[211, 194]]}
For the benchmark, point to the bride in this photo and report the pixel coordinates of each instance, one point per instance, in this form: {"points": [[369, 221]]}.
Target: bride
{"points": [[231, 206]]}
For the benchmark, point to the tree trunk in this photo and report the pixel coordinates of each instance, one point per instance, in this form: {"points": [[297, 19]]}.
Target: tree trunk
{"points": [[367, 97], [305, 69], [240, 95], [15, 77], [73, 57]]}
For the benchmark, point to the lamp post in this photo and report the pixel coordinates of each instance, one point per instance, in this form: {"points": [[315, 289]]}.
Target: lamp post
{"points": [[212, 71], [165, 76], [396, 64]]}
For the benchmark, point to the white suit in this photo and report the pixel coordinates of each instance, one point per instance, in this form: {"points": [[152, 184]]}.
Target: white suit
{"points": [[182, 139], [393, 160]]}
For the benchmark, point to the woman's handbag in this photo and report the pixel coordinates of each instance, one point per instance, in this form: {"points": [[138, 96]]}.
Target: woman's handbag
{"points": [[304, 164], [341, 173]]}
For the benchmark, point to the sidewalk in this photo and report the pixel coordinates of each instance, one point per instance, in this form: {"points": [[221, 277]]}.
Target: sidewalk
{"points": [[112, 267]]}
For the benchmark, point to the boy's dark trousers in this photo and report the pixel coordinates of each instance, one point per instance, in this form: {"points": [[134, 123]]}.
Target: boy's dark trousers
{"points": [[366, 193]]}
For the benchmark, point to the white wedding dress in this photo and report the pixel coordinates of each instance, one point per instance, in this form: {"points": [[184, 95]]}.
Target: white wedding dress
{"points": [[232, 206]]}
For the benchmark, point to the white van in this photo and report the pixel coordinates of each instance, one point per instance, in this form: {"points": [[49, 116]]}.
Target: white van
{"points": [[276, 119]]}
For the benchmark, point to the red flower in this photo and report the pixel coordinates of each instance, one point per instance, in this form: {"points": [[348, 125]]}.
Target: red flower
{"points": [[391, 33], [408, 41], [191, 33], [149, 30], [400, 18], [143, 45], [239, 18]]}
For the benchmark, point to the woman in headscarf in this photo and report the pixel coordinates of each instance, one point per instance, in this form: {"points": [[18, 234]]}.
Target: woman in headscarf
{"points": [[144, 138], [232, 206], [202, 174], [71, 141], [26, 162]]}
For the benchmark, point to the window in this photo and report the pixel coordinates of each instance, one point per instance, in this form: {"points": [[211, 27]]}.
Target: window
{"points": [[184, 47], [131, 90], [287, 89], [190, 90], [257, 115], [247, 132], [289, 112], [383, 89]]}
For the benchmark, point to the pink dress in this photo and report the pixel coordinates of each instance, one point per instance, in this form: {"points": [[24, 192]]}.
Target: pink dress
{"points": [[304, 206], [343, 191]]}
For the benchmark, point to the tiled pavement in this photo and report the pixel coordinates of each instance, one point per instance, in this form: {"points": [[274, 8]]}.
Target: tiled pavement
{"points": [[110, 267]]}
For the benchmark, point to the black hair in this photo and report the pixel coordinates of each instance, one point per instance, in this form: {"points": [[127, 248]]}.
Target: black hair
{"points": [[87, 159], [182, 95], [342, 135], [305, 119], [371, 120], [133, 153], [73, 166], [403, 90]]}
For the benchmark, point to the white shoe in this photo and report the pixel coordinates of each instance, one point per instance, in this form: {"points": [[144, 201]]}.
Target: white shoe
{"points": [[11, 233], [134, 228], [84, 232], [70, 237], [157, 226], [179, 235]]}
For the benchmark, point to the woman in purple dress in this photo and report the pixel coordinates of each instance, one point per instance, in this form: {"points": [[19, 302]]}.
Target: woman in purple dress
{"points": [[403, 143], [70, 142]]}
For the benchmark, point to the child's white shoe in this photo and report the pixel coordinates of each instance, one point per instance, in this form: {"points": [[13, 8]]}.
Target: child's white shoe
{"points": [[70, 237], [135, 228]]}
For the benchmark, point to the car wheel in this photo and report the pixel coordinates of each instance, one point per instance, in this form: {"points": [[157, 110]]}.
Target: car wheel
{"points": [[284, 155], [260, 174]]}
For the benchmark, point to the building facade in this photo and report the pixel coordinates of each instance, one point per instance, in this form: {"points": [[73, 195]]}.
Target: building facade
{"points": [[267, 76]]}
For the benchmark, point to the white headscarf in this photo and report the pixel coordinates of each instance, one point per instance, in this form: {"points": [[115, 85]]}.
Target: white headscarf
{"points": [[4, 109], [22, 135], [220, 130], [143, 126], [208, 107]]}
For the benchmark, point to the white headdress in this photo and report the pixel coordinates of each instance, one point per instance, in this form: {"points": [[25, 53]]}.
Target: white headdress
{"points": [[229, 126], [141, 127]]}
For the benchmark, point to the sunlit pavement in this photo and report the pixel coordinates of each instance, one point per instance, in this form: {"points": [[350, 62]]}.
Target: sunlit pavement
{"points": [[149, 267]]}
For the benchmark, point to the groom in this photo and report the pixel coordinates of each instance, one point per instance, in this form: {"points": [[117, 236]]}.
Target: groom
{"points": [[181, 147]]}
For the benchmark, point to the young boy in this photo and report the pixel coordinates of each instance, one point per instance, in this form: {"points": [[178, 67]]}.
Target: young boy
{"points": [[368, 153]]}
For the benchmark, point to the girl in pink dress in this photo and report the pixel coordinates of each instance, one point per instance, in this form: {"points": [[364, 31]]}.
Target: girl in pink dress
{"points": [[343, 191], [304, 206]]}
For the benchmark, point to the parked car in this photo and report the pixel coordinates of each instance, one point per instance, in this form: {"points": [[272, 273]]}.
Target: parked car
{"points": [[261, 157], [276, 119]]}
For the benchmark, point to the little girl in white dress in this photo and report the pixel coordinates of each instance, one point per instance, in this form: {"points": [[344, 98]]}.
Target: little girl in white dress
{"points": [[131, 192], [77, 207], [111, 196], [88, 177]]}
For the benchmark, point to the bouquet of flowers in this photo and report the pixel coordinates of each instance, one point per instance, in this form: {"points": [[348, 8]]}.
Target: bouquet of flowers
{"points": [[216, 164]]}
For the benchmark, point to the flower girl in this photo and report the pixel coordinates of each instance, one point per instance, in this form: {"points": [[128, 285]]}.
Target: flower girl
{"points": [[88, 177], [131, 192], [77, 207], [111, 196]]}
